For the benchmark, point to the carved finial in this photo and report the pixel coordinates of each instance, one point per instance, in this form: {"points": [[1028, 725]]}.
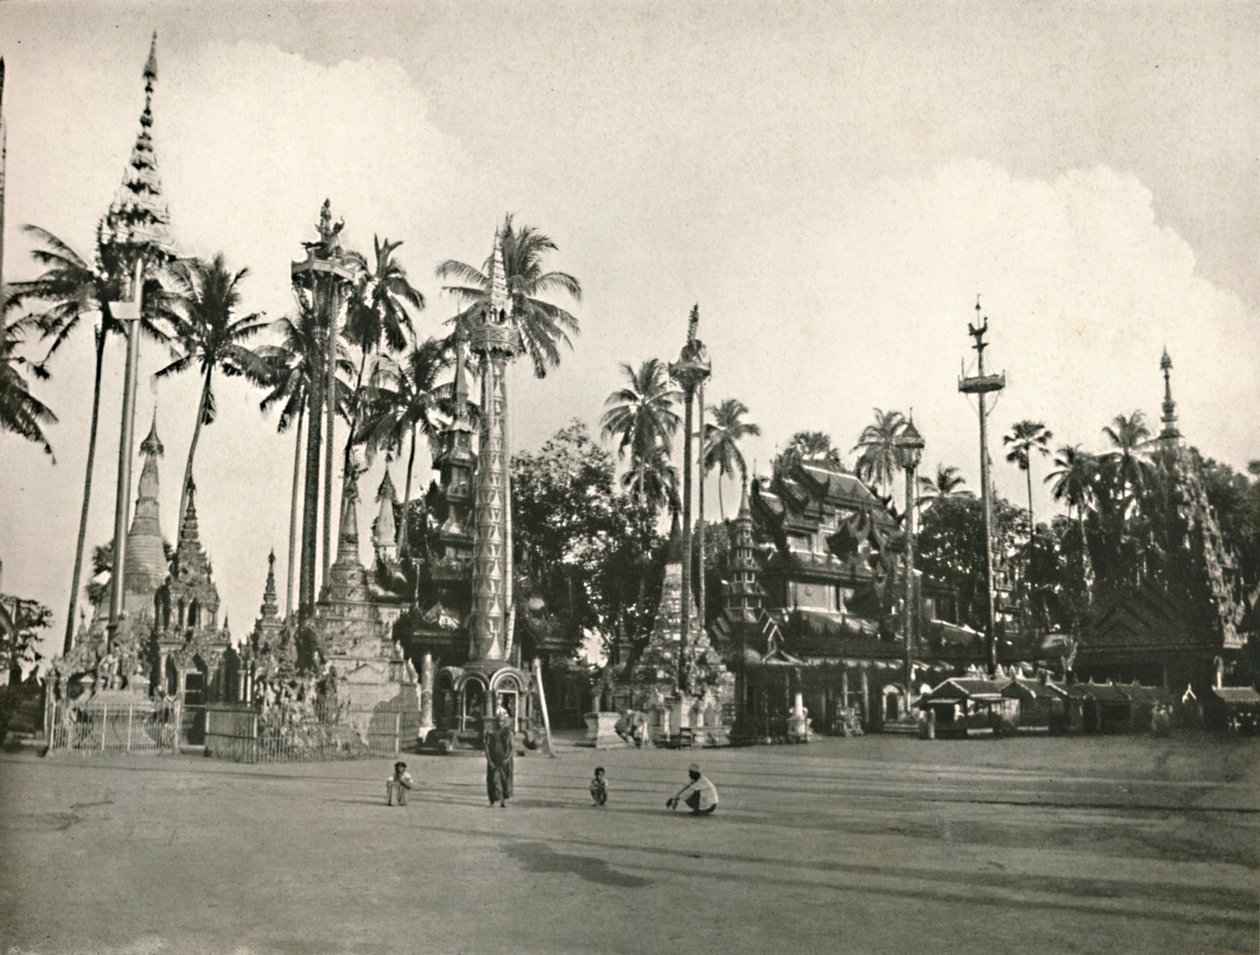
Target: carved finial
{"points": [[151, 446], [693, 323], [500, 305]]}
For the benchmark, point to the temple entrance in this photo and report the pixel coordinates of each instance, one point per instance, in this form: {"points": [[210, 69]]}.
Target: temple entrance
{"points": [[193, 723]]}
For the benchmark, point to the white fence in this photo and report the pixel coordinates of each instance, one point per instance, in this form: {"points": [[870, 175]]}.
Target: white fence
{"points": [[237, 731], [139, 726]]}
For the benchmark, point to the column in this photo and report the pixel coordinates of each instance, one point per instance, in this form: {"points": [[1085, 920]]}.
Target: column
{"points": [[426, 694]]}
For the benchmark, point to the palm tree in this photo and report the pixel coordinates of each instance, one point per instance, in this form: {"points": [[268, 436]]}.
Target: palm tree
{"points": [[540, 325], [721, 442], [20, 411], [205, 296], [807, 446], [287, 371], [655, 482], [641, 416], [1074, 477], [946, 484], [879, 462], [69, 288], [1025, 438], [1130, 441], [378, 313], [403, 400]]}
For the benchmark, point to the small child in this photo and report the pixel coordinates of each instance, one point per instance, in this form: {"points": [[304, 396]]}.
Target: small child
{"points": [[599, 787], [398, 785]]}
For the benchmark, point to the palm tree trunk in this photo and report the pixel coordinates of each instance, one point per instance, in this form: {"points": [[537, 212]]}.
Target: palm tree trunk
{"points": [[293, 513], [192, 450], [1032, 525], [310, 502], [700, 608], [330, 419], [75, 578], [642, 478]]}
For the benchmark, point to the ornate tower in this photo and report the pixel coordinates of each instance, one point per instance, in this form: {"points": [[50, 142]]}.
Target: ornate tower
{"points": [[690, 371], [268, 628], [194, 597], [145, 566], [1169, 436], [134, 234], [743, 596], [493, 341], [455, 465], [324, 279]]}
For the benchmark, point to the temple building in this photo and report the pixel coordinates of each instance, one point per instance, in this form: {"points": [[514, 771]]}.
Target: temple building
{"points": [[811, 622], [1183, 622]]}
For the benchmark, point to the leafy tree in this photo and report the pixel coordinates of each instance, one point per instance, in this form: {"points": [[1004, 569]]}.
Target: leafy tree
{"points": [[1025, 438], [540, 325], [21, 619], [642, 418], [721, 442], [204, 296], [950, 549], [593, 554], [878, 462]]}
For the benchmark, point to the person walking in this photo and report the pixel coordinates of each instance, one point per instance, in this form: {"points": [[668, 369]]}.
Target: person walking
{"points": [[500, 754]]}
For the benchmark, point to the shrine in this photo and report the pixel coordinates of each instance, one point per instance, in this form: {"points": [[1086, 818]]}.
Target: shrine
{"points": [[1183, 623]]}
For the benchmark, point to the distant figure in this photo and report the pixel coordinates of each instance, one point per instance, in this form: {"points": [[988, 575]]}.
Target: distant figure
{"points": [[599, 787], [702, 799], [399, 785], [625, 727], [640, 724], [500, 752]]}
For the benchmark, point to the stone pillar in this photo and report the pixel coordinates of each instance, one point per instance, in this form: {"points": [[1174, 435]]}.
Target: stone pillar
{"points": [[426, 694], [866, 700]]}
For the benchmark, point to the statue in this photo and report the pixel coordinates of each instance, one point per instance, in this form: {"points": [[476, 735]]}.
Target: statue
{"points": [[328, 245]]}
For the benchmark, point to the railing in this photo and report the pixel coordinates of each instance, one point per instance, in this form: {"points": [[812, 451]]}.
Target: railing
{"points": [[131, 727], [240, 732]]}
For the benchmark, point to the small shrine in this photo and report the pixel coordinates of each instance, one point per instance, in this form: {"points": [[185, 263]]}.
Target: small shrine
{"points": [[696, 714]]}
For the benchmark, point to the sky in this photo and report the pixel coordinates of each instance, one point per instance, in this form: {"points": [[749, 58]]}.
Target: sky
{"points": [[834, 184]]}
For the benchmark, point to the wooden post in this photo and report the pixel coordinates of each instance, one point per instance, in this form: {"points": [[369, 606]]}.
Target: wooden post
{"points": [[542, 704], [397, 731], [104, 723], [130, 707]]}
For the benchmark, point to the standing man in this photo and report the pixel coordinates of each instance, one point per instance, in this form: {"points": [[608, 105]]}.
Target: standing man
{"points": [[701, 796], [500, 753]]}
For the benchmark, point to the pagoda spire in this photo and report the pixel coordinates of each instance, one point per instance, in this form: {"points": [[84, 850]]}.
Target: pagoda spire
{"points": [[138, 222], [144, 561], [270, 608], [385, 531], [1169, 436], [134, 234], [348, 537]]}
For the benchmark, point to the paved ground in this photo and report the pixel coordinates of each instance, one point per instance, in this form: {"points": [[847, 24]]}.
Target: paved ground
{"points": [[871, 845]]}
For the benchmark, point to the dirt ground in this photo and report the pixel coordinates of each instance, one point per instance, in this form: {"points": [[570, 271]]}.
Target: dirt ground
{"points": [[881, 844]]}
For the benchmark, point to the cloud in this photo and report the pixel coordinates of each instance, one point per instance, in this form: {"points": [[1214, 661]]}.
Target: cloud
{"points": [[1084, 288]]}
